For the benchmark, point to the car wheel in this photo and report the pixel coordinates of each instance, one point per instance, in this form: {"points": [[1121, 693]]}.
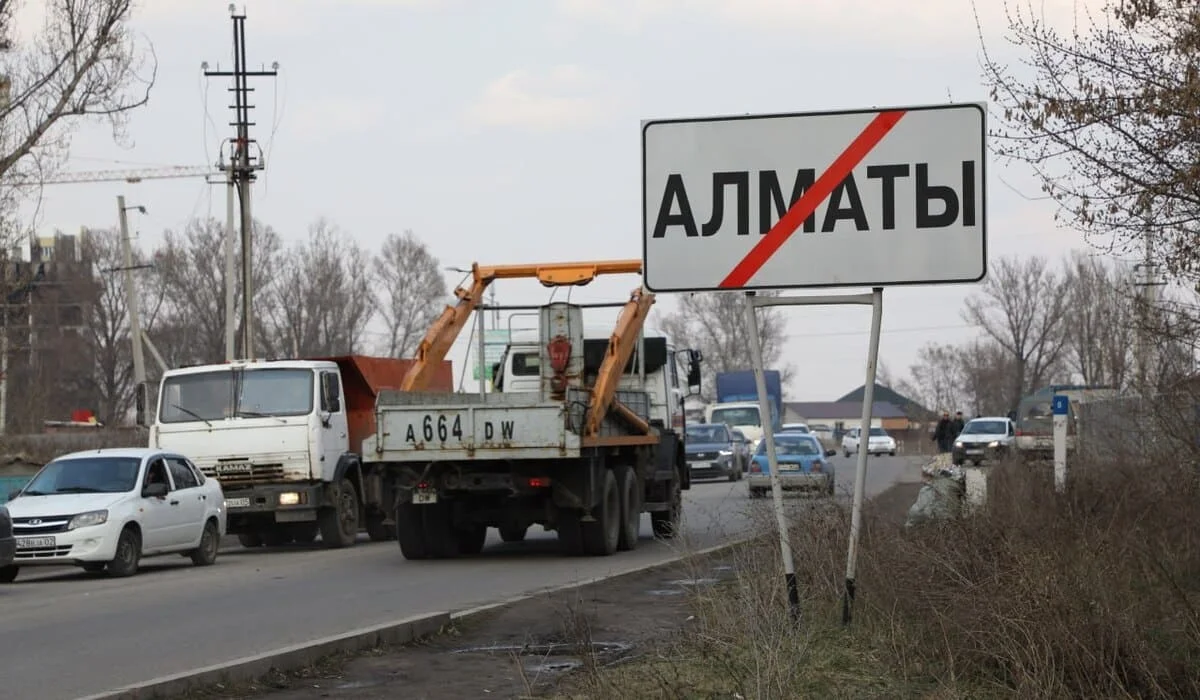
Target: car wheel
{"points": [[8, 574], [210, 543], [847, 453], [892, 453], [129, 554]]}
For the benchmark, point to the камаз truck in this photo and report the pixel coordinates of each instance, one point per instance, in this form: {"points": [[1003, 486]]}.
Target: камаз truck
{"points": [[585, 449], [282, 438]]}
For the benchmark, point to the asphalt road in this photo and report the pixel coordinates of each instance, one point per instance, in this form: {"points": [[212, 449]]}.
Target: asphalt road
{"points": [[66, 634]]}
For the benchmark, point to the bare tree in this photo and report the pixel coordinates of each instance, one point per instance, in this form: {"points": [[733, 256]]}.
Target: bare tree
{"points": [[322, 297], [1100, 325], [934, 380], [988, 372], [1108, 118], [715, 324], [1022, 307], [410, 291], [189, 327], [85, 63]]}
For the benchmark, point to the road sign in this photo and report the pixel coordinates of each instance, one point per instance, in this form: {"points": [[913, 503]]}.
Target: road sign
{"points": [[1059, 405], [866, 198]]}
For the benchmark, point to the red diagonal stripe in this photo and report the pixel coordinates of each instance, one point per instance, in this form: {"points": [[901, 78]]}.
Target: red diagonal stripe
{"points": [[808, 202]]}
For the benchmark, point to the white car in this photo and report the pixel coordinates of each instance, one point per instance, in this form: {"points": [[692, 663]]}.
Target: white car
{"points": [[104, 510], [878, 443]]}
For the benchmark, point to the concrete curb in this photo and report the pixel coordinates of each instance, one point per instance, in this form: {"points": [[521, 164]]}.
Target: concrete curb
{"points": [[394, 633]]}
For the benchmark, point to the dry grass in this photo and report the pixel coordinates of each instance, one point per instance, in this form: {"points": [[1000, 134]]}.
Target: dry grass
{"points": [[1095, 594]]}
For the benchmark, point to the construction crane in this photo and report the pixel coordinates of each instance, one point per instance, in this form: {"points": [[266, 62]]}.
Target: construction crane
{"points": [[131, 176]]}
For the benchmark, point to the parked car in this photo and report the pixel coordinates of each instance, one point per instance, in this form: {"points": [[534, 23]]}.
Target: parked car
{"points": [[8, 545], [104, 510], [825, 434], [794, 428], [710, 452], [803, 465], [742, 447], [878, 443], [984, 438]]}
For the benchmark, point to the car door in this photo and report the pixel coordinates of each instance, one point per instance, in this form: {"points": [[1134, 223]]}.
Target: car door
{"points": [[334, 423], [191, 503], [158, 516]]}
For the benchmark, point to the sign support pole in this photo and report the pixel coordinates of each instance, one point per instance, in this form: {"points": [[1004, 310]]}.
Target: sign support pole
{"points": [[864, 444], [768, 421], [1059, 406]]}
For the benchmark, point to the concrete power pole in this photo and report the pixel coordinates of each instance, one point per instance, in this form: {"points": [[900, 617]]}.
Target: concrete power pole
{"points": [[242, 169], [131, 301]]}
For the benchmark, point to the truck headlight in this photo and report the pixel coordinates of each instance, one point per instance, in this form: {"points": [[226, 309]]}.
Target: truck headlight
{"points": [[289, 498], [94, 517]]}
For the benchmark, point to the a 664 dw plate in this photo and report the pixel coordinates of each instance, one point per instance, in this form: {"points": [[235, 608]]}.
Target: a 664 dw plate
{"points": [[421, 497]]}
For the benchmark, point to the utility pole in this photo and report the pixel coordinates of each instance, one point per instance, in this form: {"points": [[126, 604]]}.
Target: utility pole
{"points": [[1146, 279], [230, 284], [242, 167], [131, 302]]}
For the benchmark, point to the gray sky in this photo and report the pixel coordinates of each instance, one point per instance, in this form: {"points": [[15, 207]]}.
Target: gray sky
{"points": [[507, 132]]}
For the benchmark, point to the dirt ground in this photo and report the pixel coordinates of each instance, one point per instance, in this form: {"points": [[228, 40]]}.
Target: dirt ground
{"points": [[524, 650]]}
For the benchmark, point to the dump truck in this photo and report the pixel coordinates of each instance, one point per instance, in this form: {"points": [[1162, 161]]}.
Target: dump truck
{"points": [[584, 449], [283, 436]]}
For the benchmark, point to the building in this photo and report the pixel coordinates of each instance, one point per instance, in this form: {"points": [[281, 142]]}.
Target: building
{"points": [[45, 365], [917, 414], [844, 415]]}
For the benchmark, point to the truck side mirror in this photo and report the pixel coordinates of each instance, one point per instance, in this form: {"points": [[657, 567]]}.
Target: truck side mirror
{"points": [[693, 372]]}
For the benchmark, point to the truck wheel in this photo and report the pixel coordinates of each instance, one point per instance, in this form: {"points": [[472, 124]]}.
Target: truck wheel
{"points": [[249, 540], [601, 535], [339, 524], [410, 531], [666, 522], [513, 533], [441, 539], [631, 508], [470, 539], [378, 529]]}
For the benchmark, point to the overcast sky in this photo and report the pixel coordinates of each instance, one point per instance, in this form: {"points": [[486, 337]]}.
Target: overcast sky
{"points": [[508, 131]]}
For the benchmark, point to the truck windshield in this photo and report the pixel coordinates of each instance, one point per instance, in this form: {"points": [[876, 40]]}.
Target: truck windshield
{"points": [[225, 393], [736, 416]]}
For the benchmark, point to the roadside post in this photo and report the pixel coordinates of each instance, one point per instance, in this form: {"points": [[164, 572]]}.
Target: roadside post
{"points": [[1059, 406], [885, 197]]}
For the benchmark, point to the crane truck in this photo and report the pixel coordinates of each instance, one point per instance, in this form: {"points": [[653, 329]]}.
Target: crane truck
{"points": [[282, 437], [583, 450]]}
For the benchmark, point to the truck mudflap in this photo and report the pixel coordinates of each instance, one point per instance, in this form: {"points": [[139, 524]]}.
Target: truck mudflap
{"points": [[419, 427]]}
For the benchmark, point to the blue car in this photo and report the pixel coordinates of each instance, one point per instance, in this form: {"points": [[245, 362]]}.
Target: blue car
{"points": [[804, 465]]}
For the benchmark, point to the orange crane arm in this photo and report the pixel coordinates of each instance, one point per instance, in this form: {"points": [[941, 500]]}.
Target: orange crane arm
{"points": [[620, 349], [441, 335]]}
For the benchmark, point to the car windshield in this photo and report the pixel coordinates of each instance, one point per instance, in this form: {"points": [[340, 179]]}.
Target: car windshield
{"points": [[985, 427], [85, 475], [744, 415], [707, 433], [878, 432], [792, 445], [227, 393]]}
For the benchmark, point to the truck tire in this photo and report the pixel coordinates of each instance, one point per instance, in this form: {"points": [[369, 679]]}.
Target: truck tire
{"points": [[410, 531], [339, 523], [666, 522], [602, 534], [377, 527], [513, 533], [631, 508], [437, 527]]}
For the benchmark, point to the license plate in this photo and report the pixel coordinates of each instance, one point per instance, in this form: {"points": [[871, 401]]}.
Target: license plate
{"points": [[974, 452], [420, 497], [34, 542], [789, 467], [237, 502], [699, 465]]}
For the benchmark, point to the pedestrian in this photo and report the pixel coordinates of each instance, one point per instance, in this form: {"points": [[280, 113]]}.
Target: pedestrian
{"points": [[956, 426], [941, 433]]}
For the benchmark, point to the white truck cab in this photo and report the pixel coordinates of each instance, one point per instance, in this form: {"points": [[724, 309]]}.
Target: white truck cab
{"points": [[739, 415]]}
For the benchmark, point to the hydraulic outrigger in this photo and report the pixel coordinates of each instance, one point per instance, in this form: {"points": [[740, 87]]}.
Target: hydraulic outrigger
{"points": [[445, 330]]}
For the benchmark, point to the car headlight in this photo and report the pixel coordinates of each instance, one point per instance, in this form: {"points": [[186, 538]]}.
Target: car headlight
{"points": [[958, 444], [95, 517], [994, 443], [726, 453]]}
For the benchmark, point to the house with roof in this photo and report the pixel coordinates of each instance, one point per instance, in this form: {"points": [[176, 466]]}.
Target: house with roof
{"points": [[844, 415], [915, 411]]}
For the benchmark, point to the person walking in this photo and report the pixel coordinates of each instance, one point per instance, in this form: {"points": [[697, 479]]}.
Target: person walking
{"points": [[941, 433], [956, 427]]}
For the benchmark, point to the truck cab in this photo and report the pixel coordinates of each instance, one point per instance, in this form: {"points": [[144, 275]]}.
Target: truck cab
{"points": [[284, 437]]}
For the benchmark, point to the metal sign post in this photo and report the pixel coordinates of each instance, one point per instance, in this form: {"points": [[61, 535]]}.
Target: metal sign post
{"points": [[1059, 407]]}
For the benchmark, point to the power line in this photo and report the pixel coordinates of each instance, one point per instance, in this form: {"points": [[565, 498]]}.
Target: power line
{"points": [[922, 329]]}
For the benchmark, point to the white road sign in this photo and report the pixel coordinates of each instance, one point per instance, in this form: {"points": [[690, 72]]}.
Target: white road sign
{"points": [[868, 198]]}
